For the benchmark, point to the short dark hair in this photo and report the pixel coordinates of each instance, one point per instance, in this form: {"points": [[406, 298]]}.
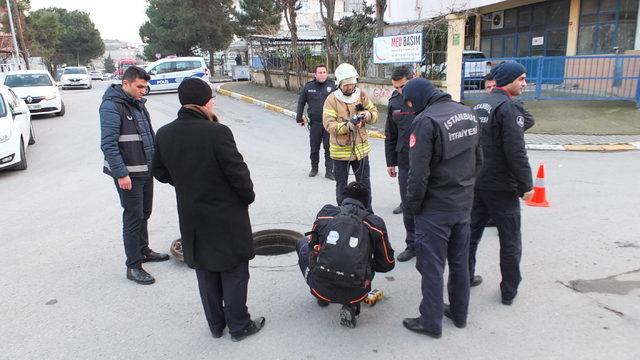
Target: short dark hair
{"points": [[315, 69], [488, 77], [135, 72], [401, 72]]}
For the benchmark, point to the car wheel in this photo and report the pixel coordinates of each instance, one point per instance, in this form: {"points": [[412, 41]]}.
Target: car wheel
{"points": [[22, 165], [32, 138], [62, 111]]}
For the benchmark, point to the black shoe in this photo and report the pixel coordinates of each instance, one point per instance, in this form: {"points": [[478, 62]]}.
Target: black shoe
{"points": [[476, 280], [447, 313], [491, 223], [348, 316], [329, 175], [406, 255], [140, 276], [398, 210], [322, 303], [254, 327], [153, 256], [507, 301], [217, 334], [414, 325], [313, 172]]}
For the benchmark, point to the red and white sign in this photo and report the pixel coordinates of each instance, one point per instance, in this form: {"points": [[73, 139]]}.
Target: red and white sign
{"points": [[397, 49]]}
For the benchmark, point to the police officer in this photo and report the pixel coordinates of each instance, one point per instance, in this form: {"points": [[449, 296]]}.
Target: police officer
{"points": [[505, 177], [314, 93], [396, 145], [444, 157]]}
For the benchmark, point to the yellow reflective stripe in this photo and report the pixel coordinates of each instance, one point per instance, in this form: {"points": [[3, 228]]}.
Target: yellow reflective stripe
{"points": [[342, 128], [370, 105], [329, 112], [347, 151]]}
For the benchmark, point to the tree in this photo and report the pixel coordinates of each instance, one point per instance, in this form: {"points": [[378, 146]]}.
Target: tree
{"points": [[354, 34], [80, 41], [44, 30], [327, 16], [215, 35], [109, 65], [381, 7], [258, 17], [18, 8], [289, 8]]}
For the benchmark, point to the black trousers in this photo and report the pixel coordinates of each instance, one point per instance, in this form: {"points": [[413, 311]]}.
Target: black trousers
{"points": [[442, 237], [341, 172], [407, 217], [136, 204], [319, 136], [224, 298], [504, 209]]}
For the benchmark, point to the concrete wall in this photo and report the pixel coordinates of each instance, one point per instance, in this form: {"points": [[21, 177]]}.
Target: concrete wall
{"points": [[379, 90]]}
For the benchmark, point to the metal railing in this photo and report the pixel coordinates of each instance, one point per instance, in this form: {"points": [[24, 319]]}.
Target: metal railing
{"points": [[600, 77]]}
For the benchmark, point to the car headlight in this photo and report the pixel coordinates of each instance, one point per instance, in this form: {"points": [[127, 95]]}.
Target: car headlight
{"points": [[51, 96], [5, 135]]}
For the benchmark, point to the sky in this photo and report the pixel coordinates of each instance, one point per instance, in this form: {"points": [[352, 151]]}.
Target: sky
{"points": [[115, 19]]}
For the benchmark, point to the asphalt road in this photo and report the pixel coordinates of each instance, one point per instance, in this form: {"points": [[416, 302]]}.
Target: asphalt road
{"points": [[64, 295]]}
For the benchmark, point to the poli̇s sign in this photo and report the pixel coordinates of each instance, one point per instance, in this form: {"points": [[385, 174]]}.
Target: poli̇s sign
{"points": [[397, 49]]}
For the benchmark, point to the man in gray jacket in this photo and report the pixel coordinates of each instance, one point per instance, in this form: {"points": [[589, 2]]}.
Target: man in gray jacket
{"points": [[127, 141]]}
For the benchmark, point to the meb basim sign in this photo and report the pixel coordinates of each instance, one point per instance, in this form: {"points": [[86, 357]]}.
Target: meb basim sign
{"points": [[397, 49]]}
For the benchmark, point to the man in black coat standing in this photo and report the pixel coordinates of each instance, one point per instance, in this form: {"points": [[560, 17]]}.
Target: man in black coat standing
{"points": [[198, 156]]}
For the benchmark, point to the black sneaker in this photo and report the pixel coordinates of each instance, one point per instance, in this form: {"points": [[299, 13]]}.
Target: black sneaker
{"points": [[313, 172], [507, 301], [406, 255], [348, 316], [254, 327], [447, 313], [398, 210], [414, 325], [476, 280], [152, 256], [140, 276]]}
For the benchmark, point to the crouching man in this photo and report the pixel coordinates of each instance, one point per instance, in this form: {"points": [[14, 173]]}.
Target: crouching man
{"points": [[346, 247]]}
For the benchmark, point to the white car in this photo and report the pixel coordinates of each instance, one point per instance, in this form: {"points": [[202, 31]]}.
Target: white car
{"points": [[16, 132], [96, 75], [37, 89], [75, 77], [167, 74]]}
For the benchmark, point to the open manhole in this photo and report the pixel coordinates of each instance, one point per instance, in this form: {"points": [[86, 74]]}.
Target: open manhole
{"points": [[275, 241]]}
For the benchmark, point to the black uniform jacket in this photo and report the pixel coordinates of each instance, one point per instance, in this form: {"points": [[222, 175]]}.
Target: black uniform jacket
{"points": [[397, 131], [314, 94]]}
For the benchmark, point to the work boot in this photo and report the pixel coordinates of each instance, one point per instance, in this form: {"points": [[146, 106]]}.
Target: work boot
{"points": [[254, 327], [329, 175], [447, 313], [476, 280], [348, 316], [398, 210], [140, 276], [414, 325], [406, 255], [313, 172], [152, 256]]}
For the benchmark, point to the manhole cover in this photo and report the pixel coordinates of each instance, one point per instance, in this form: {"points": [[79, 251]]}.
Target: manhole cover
{"points": [[275, 241]]}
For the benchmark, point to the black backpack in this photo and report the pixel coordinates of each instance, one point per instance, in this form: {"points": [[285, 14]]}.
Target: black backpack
{"points": [[341, 251]]}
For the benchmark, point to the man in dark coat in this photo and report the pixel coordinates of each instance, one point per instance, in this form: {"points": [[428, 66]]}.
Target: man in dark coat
{"points": [[127, 142], [198, 156]]}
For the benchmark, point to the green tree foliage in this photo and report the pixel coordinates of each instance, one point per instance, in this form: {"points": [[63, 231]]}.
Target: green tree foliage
{"points": [[80, 41], [109, 65], [43, 31], [258, 17], [354, 36]]}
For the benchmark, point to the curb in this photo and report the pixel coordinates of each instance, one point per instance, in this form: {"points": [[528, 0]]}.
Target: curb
{"points": [[379, 135]]}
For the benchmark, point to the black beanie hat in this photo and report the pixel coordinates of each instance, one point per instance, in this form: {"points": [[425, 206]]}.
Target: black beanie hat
{"points": [[358, 191], [505, 73], [194, 91]]}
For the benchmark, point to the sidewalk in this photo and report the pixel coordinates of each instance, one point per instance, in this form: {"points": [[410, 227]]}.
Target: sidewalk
{"points": [[613, 126]]}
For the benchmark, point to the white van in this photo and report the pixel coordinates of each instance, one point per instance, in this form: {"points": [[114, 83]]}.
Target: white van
{"points": [[167, 74]]}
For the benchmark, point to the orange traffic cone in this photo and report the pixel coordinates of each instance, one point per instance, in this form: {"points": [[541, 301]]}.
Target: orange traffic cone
{"points": [[539, 193]]}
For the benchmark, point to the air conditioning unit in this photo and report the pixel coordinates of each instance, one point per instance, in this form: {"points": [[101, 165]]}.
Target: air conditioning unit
{"points": [[497, 20]]}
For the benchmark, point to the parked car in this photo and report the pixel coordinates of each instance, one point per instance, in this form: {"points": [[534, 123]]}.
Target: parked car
{"points": [[37, 89], [75, 76], [96, 75], [16, 132], [167, 74], [475, 68]]}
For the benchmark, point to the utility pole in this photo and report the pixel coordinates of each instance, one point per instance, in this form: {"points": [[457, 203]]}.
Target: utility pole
{"points": [[13, 35]]}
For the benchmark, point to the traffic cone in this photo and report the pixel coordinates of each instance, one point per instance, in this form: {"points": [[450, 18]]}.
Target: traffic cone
{"points": [[539, 193]]}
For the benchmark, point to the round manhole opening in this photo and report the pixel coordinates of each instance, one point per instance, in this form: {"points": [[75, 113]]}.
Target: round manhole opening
{"points": [[275, 241]]}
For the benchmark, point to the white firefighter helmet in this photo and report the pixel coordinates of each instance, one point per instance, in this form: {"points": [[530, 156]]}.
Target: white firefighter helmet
{"points": [[345, 71]]}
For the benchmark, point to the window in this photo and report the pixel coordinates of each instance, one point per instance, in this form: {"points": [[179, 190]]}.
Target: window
{"points": [[3, 110], [606, 25], [523, 44], [187, 65], [510, 18], [75, 70], [353, 6], [485, 46], [524, 16], [496, 48], [556, 42], [163, 68], [24, 80]]}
